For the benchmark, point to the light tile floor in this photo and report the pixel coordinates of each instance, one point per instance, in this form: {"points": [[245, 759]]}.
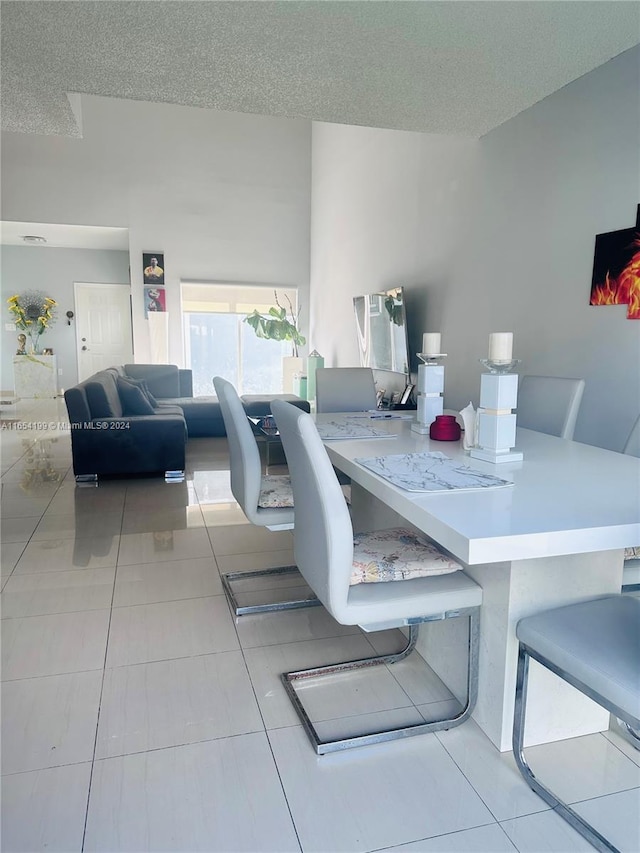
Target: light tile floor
{"points": [[138, 715]]}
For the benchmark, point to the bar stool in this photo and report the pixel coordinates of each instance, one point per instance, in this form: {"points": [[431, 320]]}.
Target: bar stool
{"points": [[595, 646]]}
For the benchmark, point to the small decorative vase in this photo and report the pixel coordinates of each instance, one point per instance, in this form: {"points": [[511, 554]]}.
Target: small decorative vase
{"points": [[291, 365], [445, 428], [34, 344]]}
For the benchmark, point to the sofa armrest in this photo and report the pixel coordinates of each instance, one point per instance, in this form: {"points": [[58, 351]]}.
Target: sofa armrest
{"points": [[77, 405]]}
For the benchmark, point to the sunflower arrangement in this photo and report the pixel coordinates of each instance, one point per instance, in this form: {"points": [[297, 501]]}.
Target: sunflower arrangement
{"points": [[34, 312]]}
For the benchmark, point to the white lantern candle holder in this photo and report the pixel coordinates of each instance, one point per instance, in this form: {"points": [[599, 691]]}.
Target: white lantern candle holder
{"points": [[430, 390], [496, 426]]}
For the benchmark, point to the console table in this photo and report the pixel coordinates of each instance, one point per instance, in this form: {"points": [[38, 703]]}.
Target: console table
{"points": [[35, 375]]}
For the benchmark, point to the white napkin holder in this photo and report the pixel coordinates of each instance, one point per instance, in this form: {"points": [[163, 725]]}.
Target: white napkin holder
{"points": [[469, 418]]}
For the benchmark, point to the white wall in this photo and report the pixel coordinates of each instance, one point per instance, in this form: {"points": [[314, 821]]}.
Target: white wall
{"points": [[387, 210], [490, 236], [54, 271], [225, 196]]}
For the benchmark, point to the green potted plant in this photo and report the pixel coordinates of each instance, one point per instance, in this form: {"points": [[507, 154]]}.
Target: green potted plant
{"points": [[278, 325]]}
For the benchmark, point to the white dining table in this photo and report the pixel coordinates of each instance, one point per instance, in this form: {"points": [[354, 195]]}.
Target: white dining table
{"points": [[556, 536]]}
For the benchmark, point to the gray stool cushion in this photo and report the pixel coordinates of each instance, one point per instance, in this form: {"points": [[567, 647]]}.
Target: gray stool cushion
{"points": [[597, 642]]}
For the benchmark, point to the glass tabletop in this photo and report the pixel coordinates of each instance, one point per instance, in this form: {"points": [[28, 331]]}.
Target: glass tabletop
{"points": [[265, 425]]}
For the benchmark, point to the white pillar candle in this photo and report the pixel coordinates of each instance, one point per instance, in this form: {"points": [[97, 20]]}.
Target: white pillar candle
{"points": [[431, 343], [501, 346]]}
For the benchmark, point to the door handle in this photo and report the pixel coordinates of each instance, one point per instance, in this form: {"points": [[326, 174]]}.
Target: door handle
{"points": [[84, 348]]}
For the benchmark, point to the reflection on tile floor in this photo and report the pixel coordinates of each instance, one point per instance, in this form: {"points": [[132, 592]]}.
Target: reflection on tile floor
{"points": [[138, 715]]}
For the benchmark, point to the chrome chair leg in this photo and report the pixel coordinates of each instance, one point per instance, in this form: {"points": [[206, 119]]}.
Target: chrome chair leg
{"points": [[634, 733], [573, 818], [629, 733], [323, 747], [244, 609]]}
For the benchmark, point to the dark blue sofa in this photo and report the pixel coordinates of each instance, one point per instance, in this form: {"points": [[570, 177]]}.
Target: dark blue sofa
{"points": [[105, 441]]}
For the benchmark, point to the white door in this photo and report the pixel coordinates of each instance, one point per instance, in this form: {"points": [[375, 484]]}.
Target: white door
{"points": [[103, 327]]}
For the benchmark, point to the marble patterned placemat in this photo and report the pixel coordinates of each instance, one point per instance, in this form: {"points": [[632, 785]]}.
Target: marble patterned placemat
{"points": [[430, 472], [347, 428]]}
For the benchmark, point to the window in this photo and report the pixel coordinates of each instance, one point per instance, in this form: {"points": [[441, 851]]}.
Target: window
{"points": [[219, 343]]}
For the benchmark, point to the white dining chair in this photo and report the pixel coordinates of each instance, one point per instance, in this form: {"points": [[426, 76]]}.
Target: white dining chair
{"points": [[345, 389], [593, 645], [631, 574], [379, 581], [267, 501], [549, 404]]}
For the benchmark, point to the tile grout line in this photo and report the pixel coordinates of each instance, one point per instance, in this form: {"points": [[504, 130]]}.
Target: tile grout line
{"points": [[264, 725], [104, 670]]}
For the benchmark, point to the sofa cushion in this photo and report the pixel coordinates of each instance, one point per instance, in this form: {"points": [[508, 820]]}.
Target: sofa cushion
{"points": [[168, 409], [148, 394], [102, 395], [257, 405], [142, 385], [134, 400], [163, 380], [202, 414]]}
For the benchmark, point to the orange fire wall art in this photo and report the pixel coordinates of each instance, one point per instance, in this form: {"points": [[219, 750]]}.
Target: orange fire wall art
{"points": [[616, 269]]}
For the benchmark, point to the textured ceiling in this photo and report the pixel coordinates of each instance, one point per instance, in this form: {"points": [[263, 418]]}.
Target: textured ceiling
{"points": [[452, 67]]}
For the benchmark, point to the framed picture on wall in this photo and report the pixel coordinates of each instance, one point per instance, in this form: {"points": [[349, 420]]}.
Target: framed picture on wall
{"points": [[616, 269], [154, 300], [153, 267]]}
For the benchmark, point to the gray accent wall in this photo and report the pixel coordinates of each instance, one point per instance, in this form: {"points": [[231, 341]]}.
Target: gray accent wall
{"points": [[490, 235], [54, 271]]}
